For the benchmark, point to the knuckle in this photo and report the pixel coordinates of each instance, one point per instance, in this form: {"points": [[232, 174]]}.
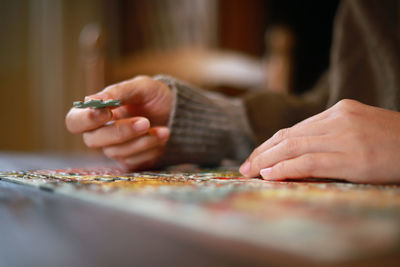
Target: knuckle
{"points": [[255, 152], [143, 79], [110, 87], [88, 140], [346, 103], [310, 165], [282, 134], [123, 132], [347, 107], [258, 150], [256, 164], [91, 116], [291, 146], [118, 132], [278, 170]]}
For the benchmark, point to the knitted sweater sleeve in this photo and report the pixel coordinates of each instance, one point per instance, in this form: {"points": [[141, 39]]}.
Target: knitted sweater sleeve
{"points": [[205, 127]]}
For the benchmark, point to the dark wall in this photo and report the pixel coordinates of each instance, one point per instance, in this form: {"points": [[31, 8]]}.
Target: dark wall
{"points": [[243, 24], [312, 23]]}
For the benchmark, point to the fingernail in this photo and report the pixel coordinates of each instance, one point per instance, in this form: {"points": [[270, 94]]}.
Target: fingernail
{"points": [[141, 125], [245, 168], [265, 172], [162, 133]]}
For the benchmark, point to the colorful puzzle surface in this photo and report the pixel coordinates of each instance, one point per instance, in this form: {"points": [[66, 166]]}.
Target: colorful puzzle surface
{"points": [[315, 219]]}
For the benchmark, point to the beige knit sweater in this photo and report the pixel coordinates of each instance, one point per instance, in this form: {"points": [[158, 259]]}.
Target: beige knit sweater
{"points": [[365, 65]]}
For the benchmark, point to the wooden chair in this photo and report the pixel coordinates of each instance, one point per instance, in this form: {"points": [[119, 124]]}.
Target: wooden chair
{"points": [[206, 68]]}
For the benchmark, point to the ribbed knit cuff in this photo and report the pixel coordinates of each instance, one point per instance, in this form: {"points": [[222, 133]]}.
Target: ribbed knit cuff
{"points": [[205, 127]]}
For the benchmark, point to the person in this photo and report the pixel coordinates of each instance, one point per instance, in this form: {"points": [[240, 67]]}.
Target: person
{"points": [[347, 127]]}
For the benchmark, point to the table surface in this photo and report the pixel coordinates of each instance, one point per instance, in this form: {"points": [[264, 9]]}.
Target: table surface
{"points": [[40, 228]]}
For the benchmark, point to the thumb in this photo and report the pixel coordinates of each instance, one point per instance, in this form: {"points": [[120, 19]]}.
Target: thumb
{"points": [[138, 91]]}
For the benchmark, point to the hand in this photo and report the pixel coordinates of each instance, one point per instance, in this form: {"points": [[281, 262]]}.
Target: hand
{"points": [[350, 141], [133, 134]]}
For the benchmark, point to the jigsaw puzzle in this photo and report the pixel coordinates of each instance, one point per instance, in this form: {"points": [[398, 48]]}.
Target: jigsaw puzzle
{"points": [[327, 220]]}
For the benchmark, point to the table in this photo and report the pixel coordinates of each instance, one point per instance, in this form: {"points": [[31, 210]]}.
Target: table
{"points": [[40, 228]]}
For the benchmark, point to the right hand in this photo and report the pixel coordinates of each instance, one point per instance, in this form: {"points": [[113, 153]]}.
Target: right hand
{"points": [[133, 134]]}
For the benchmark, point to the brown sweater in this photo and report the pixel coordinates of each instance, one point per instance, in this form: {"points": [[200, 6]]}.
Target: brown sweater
{"points": [[365, 65]]}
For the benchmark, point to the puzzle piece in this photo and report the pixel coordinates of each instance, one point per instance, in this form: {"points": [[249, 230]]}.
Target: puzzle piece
{"points": [[97, 103]]}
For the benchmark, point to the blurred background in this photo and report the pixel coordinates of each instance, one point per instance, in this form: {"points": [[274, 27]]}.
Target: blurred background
{"points": [[54, 52]]}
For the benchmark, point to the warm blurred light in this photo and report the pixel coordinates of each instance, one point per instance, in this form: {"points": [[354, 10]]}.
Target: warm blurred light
{"points": [[54, 52]]}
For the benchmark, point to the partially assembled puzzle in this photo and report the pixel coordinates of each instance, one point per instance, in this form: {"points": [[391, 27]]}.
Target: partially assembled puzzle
{"points": [[316, 219]]}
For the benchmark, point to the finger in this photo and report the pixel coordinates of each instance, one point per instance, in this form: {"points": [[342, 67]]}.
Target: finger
{"points": [[161, 132], [314, 165], [127, 111], [82, 120], [142, 160], [120, 113], [118, 132], [157, 137], [288, 149], [311, 129]]}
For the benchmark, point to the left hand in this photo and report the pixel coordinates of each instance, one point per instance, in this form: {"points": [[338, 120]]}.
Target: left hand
{"points": [[351, 141]]}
